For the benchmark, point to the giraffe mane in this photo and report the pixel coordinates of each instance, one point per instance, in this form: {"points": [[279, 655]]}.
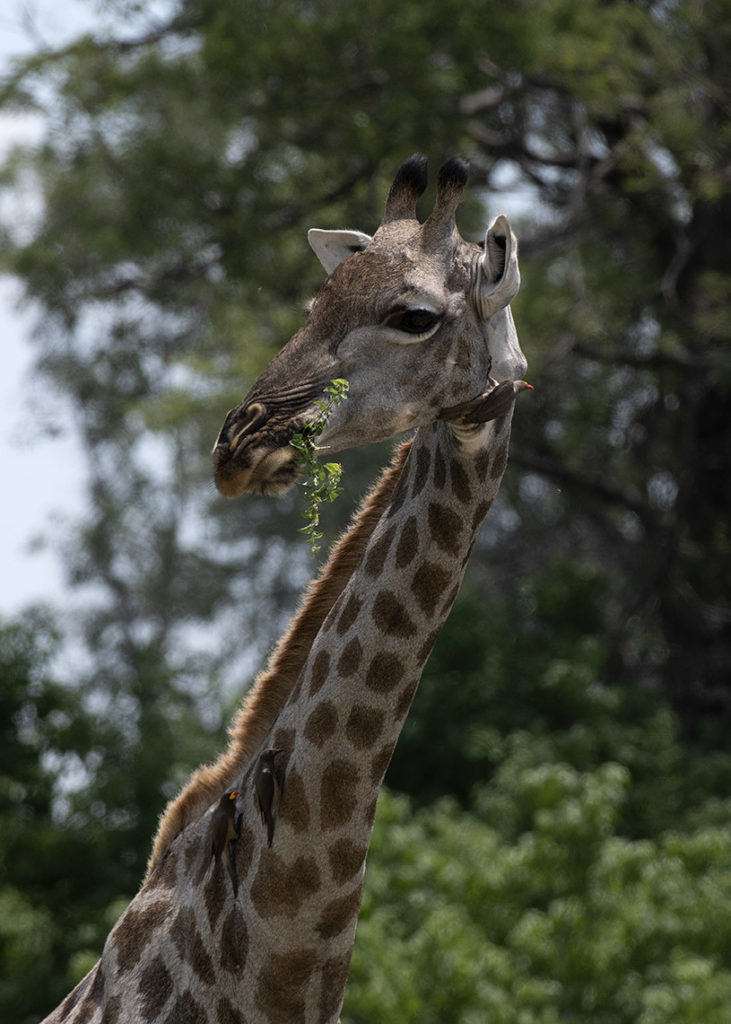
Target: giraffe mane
{"points": [[272, 686]]}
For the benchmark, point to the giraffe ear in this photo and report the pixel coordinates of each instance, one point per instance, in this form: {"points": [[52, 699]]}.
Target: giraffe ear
{"points": [[499, 278], [332, 247]]}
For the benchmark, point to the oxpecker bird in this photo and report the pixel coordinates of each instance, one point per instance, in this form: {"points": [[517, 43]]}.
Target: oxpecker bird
{"points": [[268, 783], [224, 831], [494, 403]]}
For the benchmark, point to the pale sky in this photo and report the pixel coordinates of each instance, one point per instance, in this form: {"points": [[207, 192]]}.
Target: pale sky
{"points": [[41, 478]]}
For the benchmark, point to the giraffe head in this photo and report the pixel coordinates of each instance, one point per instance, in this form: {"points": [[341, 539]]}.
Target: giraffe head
{"points": [[414, 318]]}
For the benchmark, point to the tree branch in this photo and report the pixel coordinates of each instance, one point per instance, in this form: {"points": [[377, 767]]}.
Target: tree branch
{"points": [[598, 489]]}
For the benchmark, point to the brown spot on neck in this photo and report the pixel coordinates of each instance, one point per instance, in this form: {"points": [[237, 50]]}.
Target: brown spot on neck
{"points": [[338, 793], [391, 617]]}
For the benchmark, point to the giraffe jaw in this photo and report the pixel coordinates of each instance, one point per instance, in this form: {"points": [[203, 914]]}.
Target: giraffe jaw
{"points": [[269, 472]]}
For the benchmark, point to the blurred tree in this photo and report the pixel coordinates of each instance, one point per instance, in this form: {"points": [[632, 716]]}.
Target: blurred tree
{"points": [[57, 858], [184, 157], [616, 116], [182, 164]]}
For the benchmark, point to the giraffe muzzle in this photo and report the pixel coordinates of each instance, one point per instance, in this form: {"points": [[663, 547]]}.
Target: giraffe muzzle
{"points": [[252, 453]]}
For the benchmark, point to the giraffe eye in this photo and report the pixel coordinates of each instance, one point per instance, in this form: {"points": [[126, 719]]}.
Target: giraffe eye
{"points": [[415, 320]]}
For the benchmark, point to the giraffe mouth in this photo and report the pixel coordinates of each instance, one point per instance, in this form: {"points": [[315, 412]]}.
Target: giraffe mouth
{"points": [[268, 471], [253, 453]]}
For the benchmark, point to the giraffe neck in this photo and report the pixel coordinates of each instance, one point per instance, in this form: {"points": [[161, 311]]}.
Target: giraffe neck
{"points": [[342, 720], [281, 950], [272, 687], [356, 687]]}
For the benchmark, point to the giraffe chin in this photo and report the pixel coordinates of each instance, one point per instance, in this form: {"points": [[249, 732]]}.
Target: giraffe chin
{"points": [[273, 474]]}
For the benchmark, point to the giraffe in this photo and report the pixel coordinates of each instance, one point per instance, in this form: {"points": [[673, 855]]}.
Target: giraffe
{"points": [[418, 321]]}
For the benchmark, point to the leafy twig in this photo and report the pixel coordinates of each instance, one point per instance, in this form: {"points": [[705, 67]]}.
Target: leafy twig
{"points": [[321, 479]]}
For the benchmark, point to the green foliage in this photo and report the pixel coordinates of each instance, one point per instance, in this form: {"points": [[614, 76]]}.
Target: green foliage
{"points": [[79, 801], [45, 737], [467, 919], [525, 676], [322, 479]]}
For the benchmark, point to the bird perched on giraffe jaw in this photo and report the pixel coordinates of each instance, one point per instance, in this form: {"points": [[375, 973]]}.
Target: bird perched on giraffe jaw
{"points": [[268, 785], [489, 406], [223, 833]]}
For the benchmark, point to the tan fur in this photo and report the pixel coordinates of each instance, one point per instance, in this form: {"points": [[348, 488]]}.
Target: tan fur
{"points": [[271, 688]]}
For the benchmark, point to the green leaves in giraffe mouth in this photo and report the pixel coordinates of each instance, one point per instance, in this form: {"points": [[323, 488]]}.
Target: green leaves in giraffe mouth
{"points": [[321, 480]]}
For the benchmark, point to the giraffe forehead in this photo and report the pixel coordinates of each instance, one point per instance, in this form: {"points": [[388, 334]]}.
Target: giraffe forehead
{"points": [[396, 264]]}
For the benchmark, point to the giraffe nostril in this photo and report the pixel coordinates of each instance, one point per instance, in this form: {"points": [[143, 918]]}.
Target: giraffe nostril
{"points": [[240, 423]]}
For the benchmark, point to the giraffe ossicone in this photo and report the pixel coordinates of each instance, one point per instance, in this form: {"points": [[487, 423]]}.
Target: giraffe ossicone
{"points": [[418, 321]]}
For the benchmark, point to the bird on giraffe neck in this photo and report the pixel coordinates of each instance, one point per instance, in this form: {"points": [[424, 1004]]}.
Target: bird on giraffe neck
{"points": [[268, 784], [223, 833]]}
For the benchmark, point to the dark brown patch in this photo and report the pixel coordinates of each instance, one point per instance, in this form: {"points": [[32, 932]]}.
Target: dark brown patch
{"points": [[281, 888], [384, 672], [428, 586], [213, 894], [284, 738], [189, 944], [320, 669], [338, 793], [133, 931], [369, 815], [186, 1010], [321, 723], [380, 763], [421, 474], [364, 726], [164, 874], [350, 659], [445, 526], [450, 599], [377, 552], [480, 512], [339, 913], [92, 1000], [96, 992], [294, 805], [460, 482], [482, 463], [234, 947], [404, 702], [244, 852], [501, 461], [440, 469], [400, 491], [155, 988], [76, 994], [332, 990], [201, 961], [426, 647], [190, 855], [181, 932], [349, 614], [226, 1013], [112, 1011], [408, 543], [282, 983], [390, 616], [346, 859]]}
